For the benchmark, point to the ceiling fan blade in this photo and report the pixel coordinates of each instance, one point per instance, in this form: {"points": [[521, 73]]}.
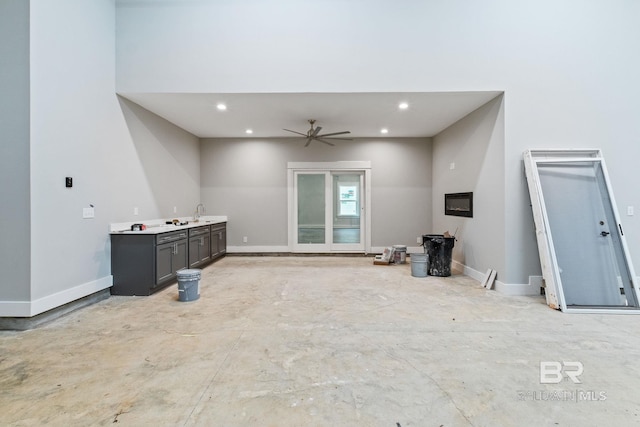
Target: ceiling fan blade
{"points": [[326, 142], [334, 133], [299, 133], [315, 132], [308, 141], [339, 139]]}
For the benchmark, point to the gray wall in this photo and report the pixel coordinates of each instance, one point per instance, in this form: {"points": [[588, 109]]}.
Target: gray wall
{"points": [[246, 179], [14, 150], [166, 169], [79, 130], [567, 70], [475, 145], [119, 155]]}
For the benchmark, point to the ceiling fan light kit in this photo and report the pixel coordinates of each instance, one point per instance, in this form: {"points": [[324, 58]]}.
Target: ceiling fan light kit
{"points": [[313, 134]]}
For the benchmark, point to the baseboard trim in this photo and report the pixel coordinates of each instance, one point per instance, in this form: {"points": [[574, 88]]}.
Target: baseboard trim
{"points": [[410, 249], [26, 323], [511, 289], [467, 271], [257, 249], [41, 305]]}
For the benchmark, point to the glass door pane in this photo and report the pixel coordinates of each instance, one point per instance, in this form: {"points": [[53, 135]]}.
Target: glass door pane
{"points": [[311, 208], [347, 211], [589, 252]]}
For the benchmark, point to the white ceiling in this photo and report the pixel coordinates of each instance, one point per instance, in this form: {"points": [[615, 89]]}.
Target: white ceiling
{"points": [[267, 114]]}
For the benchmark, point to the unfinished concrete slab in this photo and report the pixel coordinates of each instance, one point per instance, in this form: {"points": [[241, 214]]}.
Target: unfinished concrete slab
{"points": [[319, 341]]}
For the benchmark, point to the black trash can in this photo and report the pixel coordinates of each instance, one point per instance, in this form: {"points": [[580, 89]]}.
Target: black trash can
{"points": [[439, 249]]}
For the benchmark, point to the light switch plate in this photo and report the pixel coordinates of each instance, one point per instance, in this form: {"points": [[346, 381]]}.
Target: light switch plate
{"points": [[88, 213], [630, 210]]}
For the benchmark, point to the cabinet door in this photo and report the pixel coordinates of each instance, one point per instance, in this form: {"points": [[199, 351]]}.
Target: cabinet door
{"points": [[218, 241], [205, 248], [179, 260], [194, 250], [223, 241], [215, 244], [164, 268]]}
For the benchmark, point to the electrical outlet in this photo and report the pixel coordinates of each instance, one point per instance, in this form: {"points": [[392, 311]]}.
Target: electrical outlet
{"points": [[244, 239], [88, 213], [452, 166], [419, 239], [135, 211], [630, 210], [175, 209]]}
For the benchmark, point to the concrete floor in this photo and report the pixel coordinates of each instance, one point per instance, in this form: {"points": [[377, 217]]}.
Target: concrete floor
{"points": [[321, 341]]}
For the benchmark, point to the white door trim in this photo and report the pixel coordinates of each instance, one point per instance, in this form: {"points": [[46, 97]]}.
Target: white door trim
{"points": [[550, 270], [341, 166]]}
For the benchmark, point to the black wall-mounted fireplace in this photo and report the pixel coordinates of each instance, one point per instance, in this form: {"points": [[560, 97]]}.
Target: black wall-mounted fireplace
{"points": [[459, 204]]}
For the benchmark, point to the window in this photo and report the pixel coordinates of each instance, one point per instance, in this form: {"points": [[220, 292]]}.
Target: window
{"points": [[348, 200]]}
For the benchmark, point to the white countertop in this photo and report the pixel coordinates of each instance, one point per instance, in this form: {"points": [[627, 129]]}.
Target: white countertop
{"points": [[157, 226]]}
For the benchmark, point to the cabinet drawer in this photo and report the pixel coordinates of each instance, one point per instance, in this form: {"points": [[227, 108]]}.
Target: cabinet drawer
{"points": [[170, 237], [198, 231], [218, 227]]}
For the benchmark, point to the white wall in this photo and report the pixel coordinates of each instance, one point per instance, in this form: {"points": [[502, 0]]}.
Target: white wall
{"points": [[119, 155], [14, 150], [568, 69], [475, 146], [246, 179]]}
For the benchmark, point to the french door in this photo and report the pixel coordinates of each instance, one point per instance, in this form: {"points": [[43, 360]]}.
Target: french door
{"points": [[328, 210]]}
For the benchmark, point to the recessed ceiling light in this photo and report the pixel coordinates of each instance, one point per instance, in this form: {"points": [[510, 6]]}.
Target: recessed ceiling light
{"points": [[249, 131], [384, 130], [221, 107], [403, 106]]}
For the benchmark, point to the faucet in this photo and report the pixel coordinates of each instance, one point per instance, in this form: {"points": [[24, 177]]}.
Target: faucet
{"points": [[197, 214]]}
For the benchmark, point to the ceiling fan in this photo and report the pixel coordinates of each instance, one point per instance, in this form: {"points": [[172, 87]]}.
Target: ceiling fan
{"points": [[313, 134]]}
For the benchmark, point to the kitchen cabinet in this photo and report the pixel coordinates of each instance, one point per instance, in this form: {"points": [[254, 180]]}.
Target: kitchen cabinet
{"points": [[171, 255], [218, 240], [199, 246], [145, 263]]}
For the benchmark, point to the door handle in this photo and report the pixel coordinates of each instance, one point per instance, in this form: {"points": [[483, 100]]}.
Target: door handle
{"points": [[604, 233]]}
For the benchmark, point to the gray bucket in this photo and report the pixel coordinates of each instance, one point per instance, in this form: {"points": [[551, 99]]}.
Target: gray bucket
{"points": [[419, 265], [188, 284]]}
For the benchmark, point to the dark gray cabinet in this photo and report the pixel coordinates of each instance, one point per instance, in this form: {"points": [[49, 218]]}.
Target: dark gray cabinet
{"points": [[171, 256], [218, 240], [199, 246], [144, 263]]}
